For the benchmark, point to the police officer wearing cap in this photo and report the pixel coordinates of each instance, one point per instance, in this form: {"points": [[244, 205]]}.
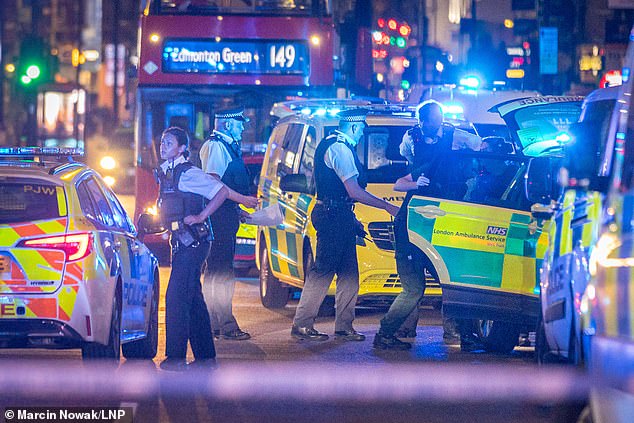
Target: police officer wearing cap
{"points": [[221, 157], [427, 147], [182, 194], [339, 182]]}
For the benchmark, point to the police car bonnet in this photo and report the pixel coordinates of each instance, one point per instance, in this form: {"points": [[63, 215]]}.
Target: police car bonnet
{"points": [[237, 114]]}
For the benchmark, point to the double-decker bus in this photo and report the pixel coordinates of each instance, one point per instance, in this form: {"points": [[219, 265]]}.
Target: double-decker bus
{"points": [[199, 56]]}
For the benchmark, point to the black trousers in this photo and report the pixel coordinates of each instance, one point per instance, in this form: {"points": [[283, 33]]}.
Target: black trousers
{"points": [[186, 316]]}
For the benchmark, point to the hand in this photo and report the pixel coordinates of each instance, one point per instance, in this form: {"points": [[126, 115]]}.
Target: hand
{"points": [[422, 181], [244, 216], [250, 202], [391, 209], [192, 219]]}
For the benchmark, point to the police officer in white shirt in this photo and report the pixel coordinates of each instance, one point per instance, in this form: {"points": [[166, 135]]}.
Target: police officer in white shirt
{"points": [[221, 157], [339, 182]]}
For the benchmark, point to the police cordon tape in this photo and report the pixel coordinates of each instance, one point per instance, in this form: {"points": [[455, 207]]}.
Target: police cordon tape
{"points": [[303, 382]]}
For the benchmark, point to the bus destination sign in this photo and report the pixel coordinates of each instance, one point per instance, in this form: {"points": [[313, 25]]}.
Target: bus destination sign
{"points": [[280, 57]]}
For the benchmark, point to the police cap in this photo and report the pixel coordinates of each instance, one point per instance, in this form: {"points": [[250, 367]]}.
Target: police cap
{"points": [[235, 113], [354, 115]]}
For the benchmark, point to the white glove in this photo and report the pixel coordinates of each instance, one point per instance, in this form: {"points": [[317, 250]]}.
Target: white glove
{"points": [[422, 181]]}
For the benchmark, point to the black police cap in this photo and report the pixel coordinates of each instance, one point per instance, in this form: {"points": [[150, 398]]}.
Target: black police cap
{"points": [[236, 113]]}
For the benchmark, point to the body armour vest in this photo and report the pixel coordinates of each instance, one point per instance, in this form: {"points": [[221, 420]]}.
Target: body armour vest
{"points": [[327, 183], [236, 175], [174, 204], [428, 159]]}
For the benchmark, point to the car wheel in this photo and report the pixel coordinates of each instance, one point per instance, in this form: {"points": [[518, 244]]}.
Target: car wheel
{"points": [[111, 351], [273, 293], [498, 337], [147, 347]]}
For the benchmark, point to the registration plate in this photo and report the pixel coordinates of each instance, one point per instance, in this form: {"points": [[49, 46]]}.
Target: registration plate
{"points": [[5, 264]]}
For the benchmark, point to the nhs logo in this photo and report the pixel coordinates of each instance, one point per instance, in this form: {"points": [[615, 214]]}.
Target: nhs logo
{"points": [[496, 230]]}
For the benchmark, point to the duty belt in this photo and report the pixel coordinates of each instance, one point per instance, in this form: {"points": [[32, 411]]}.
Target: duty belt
{"points": [[339, 204]]}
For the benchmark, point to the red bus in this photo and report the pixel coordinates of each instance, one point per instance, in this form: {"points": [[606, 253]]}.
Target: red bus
{"points": [[199, 56]]}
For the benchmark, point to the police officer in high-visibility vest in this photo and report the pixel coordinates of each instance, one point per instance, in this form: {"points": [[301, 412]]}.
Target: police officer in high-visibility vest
{"points": [[221, 157], [182, 194], [427, 147], [339, 182]]}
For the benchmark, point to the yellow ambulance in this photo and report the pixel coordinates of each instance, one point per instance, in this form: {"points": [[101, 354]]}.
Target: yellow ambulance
{"points": [[478, 230], [285, 251]]}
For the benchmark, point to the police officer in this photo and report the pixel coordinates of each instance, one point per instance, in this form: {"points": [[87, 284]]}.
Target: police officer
{"points": [[427, 147], [221, 157], [183, 188], [339, 181]]}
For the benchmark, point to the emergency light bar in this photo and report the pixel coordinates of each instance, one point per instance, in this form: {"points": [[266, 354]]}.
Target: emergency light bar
{"points": [[40, 152]]}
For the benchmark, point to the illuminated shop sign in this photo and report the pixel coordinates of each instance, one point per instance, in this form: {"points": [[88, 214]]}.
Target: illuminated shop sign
{"points": [[236, 56]]}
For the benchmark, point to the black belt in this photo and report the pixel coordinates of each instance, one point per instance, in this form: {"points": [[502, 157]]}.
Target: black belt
{"points": [[337, 204]]}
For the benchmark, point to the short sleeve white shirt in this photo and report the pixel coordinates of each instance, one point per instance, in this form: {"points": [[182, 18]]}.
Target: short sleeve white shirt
{"points": [[214, 156], [339, 158], [194, 180]]}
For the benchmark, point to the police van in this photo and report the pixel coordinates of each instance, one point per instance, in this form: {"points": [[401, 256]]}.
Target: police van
{"points": [[603, 337], [286, 252], [478, 230], [574, 229]]}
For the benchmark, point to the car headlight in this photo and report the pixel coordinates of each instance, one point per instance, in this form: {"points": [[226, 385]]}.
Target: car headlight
{"points": [[108, 163]]}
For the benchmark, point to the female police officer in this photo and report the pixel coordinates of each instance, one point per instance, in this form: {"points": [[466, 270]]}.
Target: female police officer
{"points": [[183, 190]]}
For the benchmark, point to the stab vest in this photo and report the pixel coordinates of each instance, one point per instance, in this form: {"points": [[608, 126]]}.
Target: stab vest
{"points": [[174, 204], [428, 159], [327, 184]]}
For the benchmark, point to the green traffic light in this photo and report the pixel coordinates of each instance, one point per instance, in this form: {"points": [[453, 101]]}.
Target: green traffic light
{"points": [[400, 42], [25, 80], [405, 84], [33, 71]]}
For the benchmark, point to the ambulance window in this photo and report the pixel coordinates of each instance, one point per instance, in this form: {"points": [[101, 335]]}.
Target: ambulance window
{"points": [[379, 152], [307, 163], [274, 149], [290, 149]]}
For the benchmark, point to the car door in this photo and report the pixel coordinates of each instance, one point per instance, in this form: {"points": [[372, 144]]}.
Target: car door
{"points": [[286, 240], [137, 294], [116, 247], [487, 243]]}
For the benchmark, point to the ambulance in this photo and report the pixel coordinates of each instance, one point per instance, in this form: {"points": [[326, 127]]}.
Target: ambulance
{"points": [[286, 252], [478, 230]]}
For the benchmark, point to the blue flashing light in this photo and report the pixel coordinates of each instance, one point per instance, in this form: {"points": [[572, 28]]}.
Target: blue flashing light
{"points": [[625, 74], [320, 112], [306, 111], [334, 112], [472, 82], [40, 151], [563, 138], [452, 109], [620, 135]]}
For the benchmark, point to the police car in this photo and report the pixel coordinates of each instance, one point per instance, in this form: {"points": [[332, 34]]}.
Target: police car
{"points": [[478, 231], [574, 230], [286, 252], [73, 273]]}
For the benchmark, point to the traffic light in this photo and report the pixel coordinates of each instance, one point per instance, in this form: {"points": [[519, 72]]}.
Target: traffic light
{"points": [[34, 63]]}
